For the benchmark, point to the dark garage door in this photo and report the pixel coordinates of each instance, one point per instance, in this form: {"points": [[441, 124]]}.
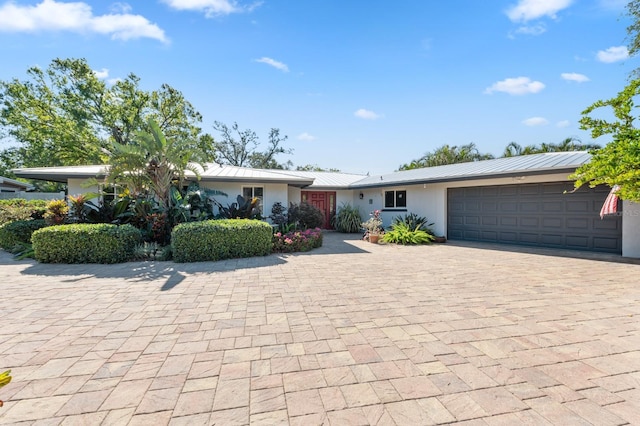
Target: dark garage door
{"points": [[540, 215]]}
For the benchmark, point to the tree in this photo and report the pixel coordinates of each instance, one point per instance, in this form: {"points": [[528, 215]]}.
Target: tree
{"points": [[66, 115], [633, 31], [316, 168], [153, 162], [240, 148], [448, 155], [618, 163], [568, 144]]}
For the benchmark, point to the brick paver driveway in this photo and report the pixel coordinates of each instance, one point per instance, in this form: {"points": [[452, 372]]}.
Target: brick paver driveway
{"points": [[351, 333]]}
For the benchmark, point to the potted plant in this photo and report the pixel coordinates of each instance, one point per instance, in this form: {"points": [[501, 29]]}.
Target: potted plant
{"points": [[373, 227]]}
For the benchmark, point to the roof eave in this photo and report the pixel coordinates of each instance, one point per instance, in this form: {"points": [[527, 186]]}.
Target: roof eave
{"points": [[466, 177]]}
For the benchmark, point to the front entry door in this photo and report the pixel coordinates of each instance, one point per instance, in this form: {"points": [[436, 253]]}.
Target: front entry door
{"points": [[324, 201]]}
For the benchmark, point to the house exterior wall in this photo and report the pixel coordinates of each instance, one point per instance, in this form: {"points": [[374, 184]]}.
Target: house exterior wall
{"points": [[630, 229], [272, 193], [430, 200]]}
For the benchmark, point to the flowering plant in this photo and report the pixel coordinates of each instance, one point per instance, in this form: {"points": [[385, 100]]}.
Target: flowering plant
{"points": [[373, 225], [295, 241]]}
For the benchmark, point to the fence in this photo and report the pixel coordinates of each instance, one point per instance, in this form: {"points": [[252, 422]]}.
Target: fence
{"points": [[33, 195]]}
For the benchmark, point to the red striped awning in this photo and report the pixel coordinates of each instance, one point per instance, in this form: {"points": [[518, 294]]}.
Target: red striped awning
{"points": [[610, 205]]}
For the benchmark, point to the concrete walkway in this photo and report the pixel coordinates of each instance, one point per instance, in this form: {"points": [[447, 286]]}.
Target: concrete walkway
{"points": [[349, 334]]}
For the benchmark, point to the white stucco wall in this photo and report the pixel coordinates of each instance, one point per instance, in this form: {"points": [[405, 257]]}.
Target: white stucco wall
{"points": [[272, 193], [630, 229]]}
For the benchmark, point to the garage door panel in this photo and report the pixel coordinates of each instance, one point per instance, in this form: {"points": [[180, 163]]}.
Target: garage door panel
{"points": [[472, 220], [605, 224], [489, 236], [529, 222], [554, 188], [528, 238], [552, 206], [578, 223], [529, 189], [508, 207], [509, 221], [545, 215], [577, 242], [552, 222], [605, 244], [507, 190], [552, 240], [490, 220], [509, 237]]}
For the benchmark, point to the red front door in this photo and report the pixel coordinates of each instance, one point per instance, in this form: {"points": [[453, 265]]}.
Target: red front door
{"points": [[325, 201]]}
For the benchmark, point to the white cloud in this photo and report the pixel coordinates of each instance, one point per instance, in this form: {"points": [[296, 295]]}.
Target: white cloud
{"points": [[613, 54], [534, 30], [211, 7], [535, 121], [516, 86], [366, 114], [562, 124], [527, 10], [101, 74], [574, 76], [306, 137], [50, 15], [276, 64]]}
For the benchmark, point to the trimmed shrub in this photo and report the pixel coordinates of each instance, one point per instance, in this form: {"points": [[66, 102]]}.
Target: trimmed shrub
{"points": [[220, 239], [21, 209], [18, 232], [296, 241], [85, 243]]}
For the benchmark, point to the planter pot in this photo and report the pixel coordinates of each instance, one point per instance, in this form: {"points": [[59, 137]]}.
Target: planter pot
{"points": [[373, 238], [440, 240]]}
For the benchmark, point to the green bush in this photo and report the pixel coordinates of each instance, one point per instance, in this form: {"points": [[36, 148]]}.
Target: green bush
{"points": [[305, 216], [401, 233], [18, 232], [21, 209], [348, 219], [85, 243], [220, 239]]}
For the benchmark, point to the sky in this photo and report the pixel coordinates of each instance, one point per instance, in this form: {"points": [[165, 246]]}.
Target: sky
{"points": [[360, 86]]}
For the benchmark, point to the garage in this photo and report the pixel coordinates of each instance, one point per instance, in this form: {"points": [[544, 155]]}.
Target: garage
{"points": [[541, 215]]}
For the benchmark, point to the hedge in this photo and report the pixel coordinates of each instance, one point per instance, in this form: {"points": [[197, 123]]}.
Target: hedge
{"points": [[18, 231], [220, 239], [85, 243], [21, 209]]}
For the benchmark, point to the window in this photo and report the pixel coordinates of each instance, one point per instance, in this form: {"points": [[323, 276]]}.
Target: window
{"points": [[254, 191], [395, 199]]}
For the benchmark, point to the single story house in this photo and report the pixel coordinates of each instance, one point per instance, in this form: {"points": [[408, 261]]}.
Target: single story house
{"points": [[526, 200], [12, 185]]}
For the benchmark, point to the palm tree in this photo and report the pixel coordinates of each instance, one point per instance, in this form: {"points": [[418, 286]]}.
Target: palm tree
{"points": [[448, 155], [153, 163], [568, 144]]}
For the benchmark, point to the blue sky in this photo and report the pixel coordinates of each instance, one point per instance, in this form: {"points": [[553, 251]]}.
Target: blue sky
{"points": [[362, 86]]}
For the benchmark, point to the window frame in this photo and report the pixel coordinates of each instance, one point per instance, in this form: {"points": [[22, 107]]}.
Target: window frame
{"points": [[399, 197]]}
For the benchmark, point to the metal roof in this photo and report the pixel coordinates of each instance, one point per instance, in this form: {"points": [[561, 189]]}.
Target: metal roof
{"points": [[213, 172], [15, 184], [326, 180], [548, 162], [217, 172], [61, 174]]}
